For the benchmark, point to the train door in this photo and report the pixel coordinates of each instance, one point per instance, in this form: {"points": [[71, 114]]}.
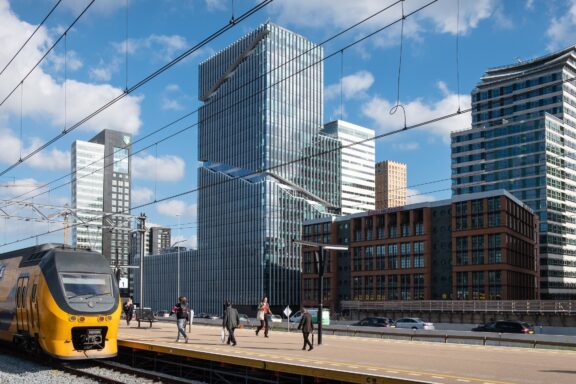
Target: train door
{"points": [[21, 305]]}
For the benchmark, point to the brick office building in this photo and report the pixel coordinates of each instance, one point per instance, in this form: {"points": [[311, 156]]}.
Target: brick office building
{"points": [[476, 246]]}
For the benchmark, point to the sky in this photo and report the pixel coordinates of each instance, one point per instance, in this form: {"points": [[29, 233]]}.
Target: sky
{"points": [[440, 53]]}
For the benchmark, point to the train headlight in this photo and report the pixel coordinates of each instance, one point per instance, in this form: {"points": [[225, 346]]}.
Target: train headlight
{"points": [[72, 318], [81, 319], [101, 319], [109, 317]]}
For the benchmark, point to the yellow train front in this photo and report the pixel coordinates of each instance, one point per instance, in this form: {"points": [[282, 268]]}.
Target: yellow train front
{"points": [[61, 300]]}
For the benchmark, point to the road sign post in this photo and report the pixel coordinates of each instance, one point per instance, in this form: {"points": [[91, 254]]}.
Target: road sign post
{"points": [[287, 312]]}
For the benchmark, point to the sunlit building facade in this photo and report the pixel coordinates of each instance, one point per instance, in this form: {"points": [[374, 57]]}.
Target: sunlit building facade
{"points": [[523, 139], [358, 157], [265, 167]]}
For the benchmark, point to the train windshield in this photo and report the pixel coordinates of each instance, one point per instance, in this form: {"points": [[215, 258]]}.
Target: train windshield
{"points": [[82, 284]]}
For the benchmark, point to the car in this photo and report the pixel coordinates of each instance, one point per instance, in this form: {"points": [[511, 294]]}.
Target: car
{"points": [[414, 323], [163, 314], [275, 318], [506, 326], [201, 315], [375, 322]]}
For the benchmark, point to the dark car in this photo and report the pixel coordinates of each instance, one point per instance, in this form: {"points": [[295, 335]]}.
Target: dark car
{"points": [[375, 322], [202, 315], [503, 326]]}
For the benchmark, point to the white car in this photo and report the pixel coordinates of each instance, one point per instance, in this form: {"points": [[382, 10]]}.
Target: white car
{"points": [[414, 323], [274, 318]]}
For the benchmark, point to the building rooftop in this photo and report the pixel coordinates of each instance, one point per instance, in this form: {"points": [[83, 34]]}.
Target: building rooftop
{"points": [[426, 204]]}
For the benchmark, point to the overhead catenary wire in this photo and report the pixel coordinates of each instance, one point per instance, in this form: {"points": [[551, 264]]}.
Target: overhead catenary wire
{"points": [[257, 172], [30, 37], [437, 119], [342, 32], [134, 87]]}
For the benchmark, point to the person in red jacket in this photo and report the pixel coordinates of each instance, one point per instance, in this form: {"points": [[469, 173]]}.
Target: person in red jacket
{"points": [[262, 315]]}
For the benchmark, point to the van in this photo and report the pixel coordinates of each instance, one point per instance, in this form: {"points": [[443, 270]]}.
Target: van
{"points": [[297, 316]]}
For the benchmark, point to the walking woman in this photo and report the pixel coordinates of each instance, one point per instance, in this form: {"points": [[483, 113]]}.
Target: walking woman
{"points": [[129, 310], [262, 315], [181, 310]]}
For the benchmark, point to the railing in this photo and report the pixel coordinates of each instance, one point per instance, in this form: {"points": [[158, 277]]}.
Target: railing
{"points": [[492, 306], [533, 341]]}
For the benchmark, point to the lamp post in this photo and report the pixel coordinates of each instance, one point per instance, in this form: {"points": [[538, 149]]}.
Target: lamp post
{"points": [[178, 266], [320, 261], [142, 231]]}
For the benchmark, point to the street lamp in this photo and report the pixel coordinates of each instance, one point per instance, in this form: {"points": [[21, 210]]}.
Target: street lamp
{"points": [[178, 264], [320, 261]]}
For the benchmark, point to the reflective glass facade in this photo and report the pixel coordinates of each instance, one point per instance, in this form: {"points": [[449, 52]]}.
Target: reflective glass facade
{"points": [[261, 116], [524, 140]]}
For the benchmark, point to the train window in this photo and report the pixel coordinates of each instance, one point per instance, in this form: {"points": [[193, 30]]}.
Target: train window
{"points": [[23, 297], [18, 297], [82, 284]]}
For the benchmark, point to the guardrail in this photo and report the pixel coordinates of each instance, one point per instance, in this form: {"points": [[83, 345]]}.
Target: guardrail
{"points": [[487, 306], [497, 338]]}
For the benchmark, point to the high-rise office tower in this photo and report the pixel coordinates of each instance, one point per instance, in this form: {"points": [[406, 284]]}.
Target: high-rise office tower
{"points": [[156, 240], [265, 167], [390, 184], [87, 194], [106, 191], [523, 139], [357, 165]]}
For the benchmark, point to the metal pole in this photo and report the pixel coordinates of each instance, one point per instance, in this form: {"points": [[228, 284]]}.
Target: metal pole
{"points": [[142, 231], [178, 262], [320, 292]]}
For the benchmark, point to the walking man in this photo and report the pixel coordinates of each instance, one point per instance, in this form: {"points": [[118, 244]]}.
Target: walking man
{"points": [[230, 322], [307, 327], [181, 311]]}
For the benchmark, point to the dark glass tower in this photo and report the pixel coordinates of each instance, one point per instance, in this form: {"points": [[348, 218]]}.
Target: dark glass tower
{"points": [[260, 175]]}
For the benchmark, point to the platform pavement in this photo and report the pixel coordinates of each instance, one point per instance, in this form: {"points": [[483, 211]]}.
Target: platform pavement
{"points": [[423, 362]]}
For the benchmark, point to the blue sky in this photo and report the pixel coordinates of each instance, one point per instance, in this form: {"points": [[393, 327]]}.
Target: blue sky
{"points": [[94, 69]]}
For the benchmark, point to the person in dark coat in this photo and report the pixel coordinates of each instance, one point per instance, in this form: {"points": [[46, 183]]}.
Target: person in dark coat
{"points": [[230, 321], [181, 310], [307, 328], [129, 310]]}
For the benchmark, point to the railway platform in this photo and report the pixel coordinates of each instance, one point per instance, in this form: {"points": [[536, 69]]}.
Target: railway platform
{"points": [[280, 359]]}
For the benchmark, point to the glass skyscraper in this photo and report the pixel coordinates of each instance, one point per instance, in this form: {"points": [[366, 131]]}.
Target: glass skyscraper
{"points": [[265, 168], [523, 139]]}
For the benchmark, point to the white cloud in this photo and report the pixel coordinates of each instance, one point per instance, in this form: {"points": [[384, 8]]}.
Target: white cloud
{"points": [[53, 159], [172, 88], [171, 104], [43, 94], [189, 242], [413, 196], [408, 146], [162, 46], [343, 13], [216, 5], [354, 85], [419, 110], [174, 208], [529, 5], [141, 195], [562, 30], [71, 61], [163, 168]]}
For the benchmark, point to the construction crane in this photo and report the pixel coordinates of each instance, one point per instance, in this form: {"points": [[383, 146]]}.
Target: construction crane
{"points": [[64, 214]]}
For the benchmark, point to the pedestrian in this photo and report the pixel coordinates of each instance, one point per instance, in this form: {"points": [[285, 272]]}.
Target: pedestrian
{"points": [[262, 315], [128, 310], [230, 321], [182, 316], [307, 328]]}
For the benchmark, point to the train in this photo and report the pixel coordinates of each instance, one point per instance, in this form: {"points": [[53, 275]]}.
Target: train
{"points": [[59, 300]]}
